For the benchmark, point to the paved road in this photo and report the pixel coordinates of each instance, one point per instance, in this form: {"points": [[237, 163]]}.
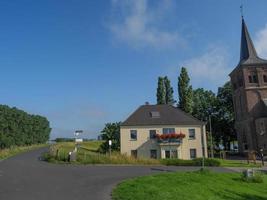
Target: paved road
{"points": [[25, 177]]}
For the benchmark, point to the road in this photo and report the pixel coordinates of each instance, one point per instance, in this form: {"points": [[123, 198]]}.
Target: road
{"points": [[26, 177]]}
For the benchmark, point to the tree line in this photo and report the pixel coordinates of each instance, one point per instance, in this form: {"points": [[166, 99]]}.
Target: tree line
{"points": [[203, 104], [18, 128]]}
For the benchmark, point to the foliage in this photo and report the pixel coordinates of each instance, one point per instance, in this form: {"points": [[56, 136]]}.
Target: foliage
{"points": [[164, 91], [169, 91], [194, 162], [224, 119], [161, 91], [64, 140], [220, 108], [18, 128], [204, 104], [170, 136], [185, 91], [111, 132], [190, 185], [256, 178]]}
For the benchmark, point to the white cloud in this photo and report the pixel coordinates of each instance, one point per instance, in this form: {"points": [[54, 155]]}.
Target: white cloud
{"points": [[261, 42], [141, 25], [209, 69]]}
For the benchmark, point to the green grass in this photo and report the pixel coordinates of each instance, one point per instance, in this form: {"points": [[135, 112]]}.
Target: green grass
{"points": [[6, 153], [191, 186], [237, 163]]}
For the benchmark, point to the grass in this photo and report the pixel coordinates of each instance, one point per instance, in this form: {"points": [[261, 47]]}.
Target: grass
{"points": [[6, 153], [88, 154], [191, 185], [237, 163]]}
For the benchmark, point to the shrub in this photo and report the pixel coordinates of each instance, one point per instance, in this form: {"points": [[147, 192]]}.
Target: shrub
{"points": [[194, 162], [256, 178]]}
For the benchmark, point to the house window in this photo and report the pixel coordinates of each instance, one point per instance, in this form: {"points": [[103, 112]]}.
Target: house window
{"points": [[192, 134], [168, 130], [155, 114], [193, 153], [264, 78], [153, 154], [152, 134], [134, 153], [133, 134]]}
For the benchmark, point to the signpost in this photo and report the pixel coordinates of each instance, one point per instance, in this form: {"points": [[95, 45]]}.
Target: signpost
{"points": [[109, 143]]}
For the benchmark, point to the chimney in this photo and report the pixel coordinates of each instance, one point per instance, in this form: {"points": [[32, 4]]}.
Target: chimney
{"points": [[146, 103]]}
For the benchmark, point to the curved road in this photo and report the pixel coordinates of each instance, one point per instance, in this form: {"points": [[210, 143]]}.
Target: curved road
{"points": [[25, 177]]}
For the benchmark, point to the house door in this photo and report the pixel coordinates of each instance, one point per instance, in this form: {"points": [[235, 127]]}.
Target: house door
{"points": [[167, 154]]}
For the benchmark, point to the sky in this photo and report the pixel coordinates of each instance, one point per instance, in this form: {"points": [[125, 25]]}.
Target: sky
{"points": [[89, 62]]}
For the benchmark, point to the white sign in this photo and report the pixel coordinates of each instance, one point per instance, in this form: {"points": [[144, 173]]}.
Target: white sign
{"points": [[109, 142], [78, 140]]}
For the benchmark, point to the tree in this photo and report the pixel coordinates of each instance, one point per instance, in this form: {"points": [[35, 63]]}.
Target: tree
{"points": [[185, 91], [19, 128], [224, 120], [169, 91], [161, 91], [111, 132], [204, 104]]}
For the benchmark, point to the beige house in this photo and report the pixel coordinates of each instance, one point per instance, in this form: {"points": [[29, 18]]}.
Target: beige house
{"points": [[163, 131]]}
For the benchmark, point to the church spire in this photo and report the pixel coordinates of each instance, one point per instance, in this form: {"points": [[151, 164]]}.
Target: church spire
{"points": [[247, 48]]}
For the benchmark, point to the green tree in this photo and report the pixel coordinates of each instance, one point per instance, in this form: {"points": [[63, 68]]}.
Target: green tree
{"points": [[204, 104], [111, 132], [19, 128], [161, 91], [169, 91], [224, 119], [185, 91]]}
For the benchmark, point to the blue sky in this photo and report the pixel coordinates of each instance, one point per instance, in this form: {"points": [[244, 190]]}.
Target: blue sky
{"points": [[84, 63]]}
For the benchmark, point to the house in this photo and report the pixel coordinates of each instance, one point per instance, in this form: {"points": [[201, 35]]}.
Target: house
{"points": [[163, 131], [249, 82]]}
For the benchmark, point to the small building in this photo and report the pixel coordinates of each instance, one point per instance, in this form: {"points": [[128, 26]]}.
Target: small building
{"points": [[163, 131]]}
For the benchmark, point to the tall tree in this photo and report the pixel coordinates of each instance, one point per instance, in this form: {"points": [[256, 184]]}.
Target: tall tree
{"points": [[185, 91], [161, 91], [224, 121], [169, 91]]}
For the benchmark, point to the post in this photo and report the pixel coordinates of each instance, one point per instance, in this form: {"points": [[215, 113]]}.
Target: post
{"points": [[203, 148], [109, 143], [211, 138]]}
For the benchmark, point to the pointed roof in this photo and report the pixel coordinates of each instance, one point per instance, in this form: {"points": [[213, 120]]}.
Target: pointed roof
{"points": [[248, 54]]}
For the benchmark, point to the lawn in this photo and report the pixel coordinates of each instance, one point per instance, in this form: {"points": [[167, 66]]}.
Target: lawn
{"points": [[6, 153], [191, 186]]}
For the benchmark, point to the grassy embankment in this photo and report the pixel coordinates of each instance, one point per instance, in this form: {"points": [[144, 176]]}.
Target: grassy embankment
{"points": [[88, 154], [191, 185], [6, 153]]}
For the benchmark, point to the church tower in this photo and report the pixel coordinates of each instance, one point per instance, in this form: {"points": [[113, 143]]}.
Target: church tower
{"points": [[249, 82]]}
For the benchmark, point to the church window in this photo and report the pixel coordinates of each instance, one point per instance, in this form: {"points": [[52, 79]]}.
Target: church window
{"points": [[250, 79], [255, 79], [264, 78], [240, 82]]}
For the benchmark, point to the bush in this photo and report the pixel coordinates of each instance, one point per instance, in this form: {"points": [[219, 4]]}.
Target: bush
{"points": [[194, 162], [256, 178]]}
